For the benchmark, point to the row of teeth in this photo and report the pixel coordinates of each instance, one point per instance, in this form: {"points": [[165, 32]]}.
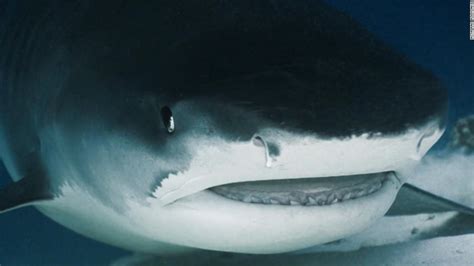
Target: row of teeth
{"points": [[302, 198]]}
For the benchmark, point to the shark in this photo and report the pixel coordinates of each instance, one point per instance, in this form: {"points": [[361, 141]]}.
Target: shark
{"points": [[251, 127]]}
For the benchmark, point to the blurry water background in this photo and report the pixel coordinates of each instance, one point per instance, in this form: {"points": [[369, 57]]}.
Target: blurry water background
{"points": [[433, 33]]}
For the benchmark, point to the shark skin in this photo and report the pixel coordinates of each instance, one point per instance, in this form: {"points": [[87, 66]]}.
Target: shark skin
{"points": [[251, 127]]}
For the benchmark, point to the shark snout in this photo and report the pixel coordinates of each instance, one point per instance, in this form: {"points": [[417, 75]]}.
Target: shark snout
{"points": [[273, 154]]}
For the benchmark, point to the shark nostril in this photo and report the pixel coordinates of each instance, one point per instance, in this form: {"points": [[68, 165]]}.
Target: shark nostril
{"points": [[424, 143], [259, 142]]}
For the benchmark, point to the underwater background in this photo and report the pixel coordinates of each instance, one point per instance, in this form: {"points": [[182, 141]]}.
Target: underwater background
{"points": [[433, 33]]}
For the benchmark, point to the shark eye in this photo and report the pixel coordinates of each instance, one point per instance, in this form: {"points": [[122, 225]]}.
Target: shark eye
{"points": [[167, 118]]}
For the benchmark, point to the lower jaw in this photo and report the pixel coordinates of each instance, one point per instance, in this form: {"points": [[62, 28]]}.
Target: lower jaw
{"points": [[217, 223], [304, 192]]}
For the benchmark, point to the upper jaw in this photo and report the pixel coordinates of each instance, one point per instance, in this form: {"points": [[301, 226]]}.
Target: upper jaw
{"points": [[217, 162]]}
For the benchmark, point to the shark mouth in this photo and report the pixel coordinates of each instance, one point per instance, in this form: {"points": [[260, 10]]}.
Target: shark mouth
{"points": [[305, 191]]}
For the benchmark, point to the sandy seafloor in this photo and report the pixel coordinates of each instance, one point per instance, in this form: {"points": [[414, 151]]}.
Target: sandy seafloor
{"points": [[438, 251], [434, 33]]}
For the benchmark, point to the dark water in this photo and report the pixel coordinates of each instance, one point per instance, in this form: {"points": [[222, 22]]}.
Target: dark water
{"points": [[434, 33]]}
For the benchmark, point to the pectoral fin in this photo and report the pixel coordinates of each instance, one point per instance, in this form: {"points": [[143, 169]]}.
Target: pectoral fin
{"points": [[413, 200]]}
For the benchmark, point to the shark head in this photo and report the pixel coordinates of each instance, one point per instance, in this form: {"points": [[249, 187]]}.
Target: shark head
{"points": [[259, 131]]}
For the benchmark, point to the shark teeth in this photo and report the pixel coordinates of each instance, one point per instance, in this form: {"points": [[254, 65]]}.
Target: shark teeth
{"points": [[303, 197]]}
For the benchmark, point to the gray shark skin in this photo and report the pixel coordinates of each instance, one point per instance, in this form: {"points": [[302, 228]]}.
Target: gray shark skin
{"points": [[146, 126]]}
